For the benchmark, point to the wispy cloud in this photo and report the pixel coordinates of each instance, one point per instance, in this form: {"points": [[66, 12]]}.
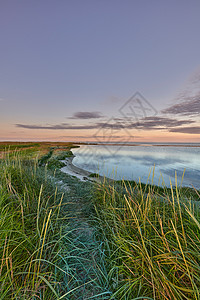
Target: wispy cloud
{"points": [[190, 107], [148, 123], [93, 136], [189, 130], [187, 103], [61, 126], [159, 123], [64, 126], [86, 115]]}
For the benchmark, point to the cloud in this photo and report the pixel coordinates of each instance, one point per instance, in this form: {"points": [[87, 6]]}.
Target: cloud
{"points": [[148, 123], [190, 130], [190, 107], [187, 103], [63, 126], [86, 115], [56, 127], [158, 123]]}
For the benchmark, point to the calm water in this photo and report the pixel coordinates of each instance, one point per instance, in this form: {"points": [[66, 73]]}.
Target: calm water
{"points": [[134, 162]]}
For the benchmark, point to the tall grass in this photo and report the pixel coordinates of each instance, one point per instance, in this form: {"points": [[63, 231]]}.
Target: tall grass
{"points": [[148, 238], [29, 231], [47, 247], [151, 241]]}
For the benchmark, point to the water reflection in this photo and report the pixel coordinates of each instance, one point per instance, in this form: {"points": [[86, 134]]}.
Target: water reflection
{"points": [[132, 162]]}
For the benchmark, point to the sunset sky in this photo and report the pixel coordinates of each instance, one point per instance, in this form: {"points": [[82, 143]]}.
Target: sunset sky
{"points": [[99, 70]]}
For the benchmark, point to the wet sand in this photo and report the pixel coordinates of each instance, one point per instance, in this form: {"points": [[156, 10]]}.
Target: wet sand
{"points": [[81, 174]]}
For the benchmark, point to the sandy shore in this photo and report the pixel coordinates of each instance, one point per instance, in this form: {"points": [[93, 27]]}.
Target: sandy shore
{"points": [[76, 171]]}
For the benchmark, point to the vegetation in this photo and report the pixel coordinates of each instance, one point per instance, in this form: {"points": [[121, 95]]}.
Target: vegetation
{"points": [[61, 238], [94, 175], [29, 231], [152, 241], [46, 243], [83, 254]]}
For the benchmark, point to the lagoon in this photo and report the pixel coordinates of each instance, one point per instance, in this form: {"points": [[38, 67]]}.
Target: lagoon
{"points": [[138, 161]]}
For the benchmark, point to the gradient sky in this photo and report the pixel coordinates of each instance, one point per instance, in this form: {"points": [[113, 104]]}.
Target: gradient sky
{"points": [[68, 68]]}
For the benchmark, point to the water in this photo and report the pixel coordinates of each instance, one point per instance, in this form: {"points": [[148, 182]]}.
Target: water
{"points": [[134, 162]]}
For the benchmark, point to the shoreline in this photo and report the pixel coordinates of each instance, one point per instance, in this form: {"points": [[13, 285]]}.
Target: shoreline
{"points": [[84, 175], [81, 174]]}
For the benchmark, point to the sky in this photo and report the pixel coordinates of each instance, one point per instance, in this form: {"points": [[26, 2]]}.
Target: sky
{"points": [[100, 70]]}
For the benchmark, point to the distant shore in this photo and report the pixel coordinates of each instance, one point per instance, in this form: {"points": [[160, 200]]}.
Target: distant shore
{"points": [[139, 144]]}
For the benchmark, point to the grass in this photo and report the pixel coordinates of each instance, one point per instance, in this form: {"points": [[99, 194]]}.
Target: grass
{"points": [[152, 241], [65, 239], [94, 175], [46, 242], [54, 158], [29, 231], [84, 259]]}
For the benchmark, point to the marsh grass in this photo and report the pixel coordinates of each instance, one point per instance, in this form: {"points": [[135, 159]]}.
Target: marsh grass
{"points": [[151, 241], [29, 230], [53, 159], [112, 240], [47, 247]]}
